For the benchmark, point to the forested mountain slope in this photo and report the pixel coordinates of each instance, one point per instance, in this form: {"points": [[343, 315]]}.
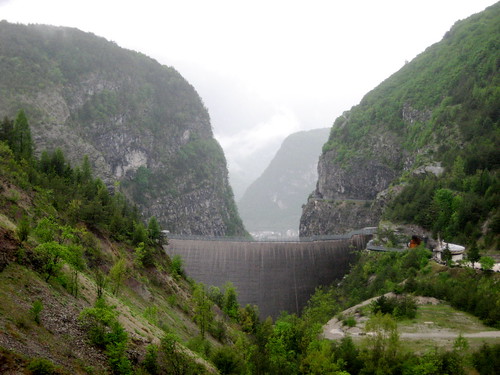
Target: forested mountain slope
{"points": [[142, 125], [86, 289], [432, 131], [273, 201]]}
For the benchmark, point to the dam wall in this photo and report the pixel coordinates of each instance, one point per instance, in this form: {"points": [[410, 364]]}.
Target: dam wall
{"points": [[275, 276]]}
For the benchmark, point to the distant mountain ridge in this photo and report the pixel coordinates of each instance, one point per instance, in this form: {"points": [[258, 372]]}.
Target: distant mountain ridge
{"points": [[273, 202], [144, 128], [430, 131]]}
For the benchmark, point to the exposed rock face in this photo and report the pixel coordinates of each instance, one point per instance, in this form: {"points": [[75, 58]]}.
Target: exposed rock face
{"points": [[346, 193], [140, 123]]}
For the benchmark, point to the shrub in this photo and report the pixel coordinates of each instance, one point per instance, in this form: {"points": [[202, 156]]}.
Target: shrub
{"points": [[173, 360], [41, 366], [487, 359], [104, 331], [35, 310], [487, 263], [48, 258], [23, 229], [150, 359], [349, 321], [176, 267], [200, 345], [97, 321], [227, 360]]}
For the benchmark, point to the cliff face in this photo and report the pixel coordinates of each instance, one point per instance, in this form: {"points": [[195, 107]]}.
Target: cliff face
{"points": [[273, 202], [141, 124], [442, 104]]}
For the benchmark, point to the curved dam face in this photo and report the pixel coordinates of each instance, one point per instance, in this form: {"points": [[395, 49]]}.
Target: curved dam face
{"points": [[275, 276]]}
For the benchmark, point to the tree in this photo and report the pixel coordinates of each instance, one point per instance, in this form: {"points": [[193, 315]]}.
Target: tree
{"points": [[446, 256], [7, 131], [249, 318], [48, 258], [231, 305], [154, 230], [216, 295], [227, 361], [443, 206], [283, 346], [117, 274], [140, 234], [203, 314], [487, 263], [22, 142], [86, 170], [172, 359], [382, 343], [487, 359], [473, 253], [320, 359], [100, 282]]}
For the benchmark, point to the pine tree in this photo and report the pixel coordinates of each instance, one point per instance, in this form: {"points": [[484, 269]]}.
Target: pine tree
{"points": [[7, 131], [446, 256], [154, 229], [473, 254], [22, 144]]}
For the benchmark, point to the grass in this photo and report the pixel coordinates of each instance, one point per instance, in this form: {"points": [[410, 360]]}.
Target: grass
{"points": [[444, 317]]}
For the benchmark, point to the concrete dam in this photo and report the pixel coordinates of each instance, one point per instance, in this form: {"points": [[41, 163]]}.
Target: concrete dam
{"points": [[275, 276]]}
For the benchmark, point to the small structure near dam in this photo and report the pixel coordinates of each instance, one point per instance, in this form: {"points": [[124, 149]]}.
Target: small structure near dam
{"points": [[275, 276]]}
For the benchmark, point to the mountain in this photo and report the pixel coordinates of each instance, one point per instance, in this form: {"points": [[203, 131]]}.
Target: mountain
{"points": [[423, 147], [142, 125], [273, 202]]}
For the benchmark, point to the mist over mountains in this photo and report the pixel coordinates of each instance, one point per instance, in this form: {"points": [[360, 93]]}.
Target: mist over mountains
{"points": [[274, 201]]}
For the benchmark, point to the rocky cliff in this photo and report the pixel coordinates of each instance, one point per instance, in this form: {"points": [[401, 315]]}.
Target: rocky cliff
{"points": [[273, 201], [144, 128], [441, 105]]}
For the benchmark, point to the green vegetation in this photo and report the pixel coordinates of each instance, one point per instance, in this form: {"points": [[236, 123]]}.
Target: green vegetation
{"points": [[35, 310], [87, 253], [441, 108], [121, 104], [400, 308], [453, 206], [83, 241], [67, 249], [456, 79]]}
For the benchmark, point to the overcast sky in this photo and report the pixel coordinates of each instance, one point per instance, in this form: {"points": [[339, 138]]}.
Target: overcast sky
{"points": [[265, 68]]}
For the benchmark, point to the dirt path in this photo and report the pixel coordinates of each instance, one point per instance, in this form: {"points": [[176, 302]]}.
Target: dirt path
{"points": [[449, 335]]}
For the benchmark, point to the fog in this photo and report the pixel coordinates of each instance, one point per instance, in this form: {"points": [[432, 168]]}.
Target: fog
{"points": [[264, 69]]}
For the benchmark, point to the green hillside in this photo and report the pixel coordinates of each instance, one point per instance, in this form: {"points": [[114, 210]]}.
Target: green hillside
{"points": [[143, 126], [432, 131], [86, 288]]}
